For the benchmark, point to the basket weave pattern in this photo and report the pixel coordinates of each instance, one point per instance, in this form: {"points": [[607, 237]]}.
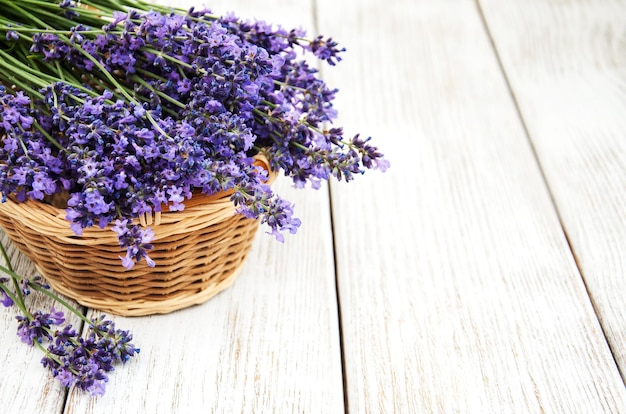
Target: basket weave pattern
{"points": [[198, 252]]}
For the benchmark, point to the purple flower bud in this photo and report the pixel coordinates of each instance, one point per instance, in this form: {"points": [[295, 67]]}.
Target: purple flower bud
{"points": [[6, 300], [12, 35]]}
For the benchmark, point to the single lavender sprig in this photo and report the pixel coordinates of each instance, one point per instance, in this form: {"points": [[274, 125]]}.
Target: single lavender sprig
{"points": [[83, 362]]}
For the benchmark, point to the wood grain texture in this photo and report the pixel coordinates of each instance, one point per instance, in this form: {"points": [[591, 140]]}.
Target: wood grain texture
{"points": [[566, 63], [458, 291]]}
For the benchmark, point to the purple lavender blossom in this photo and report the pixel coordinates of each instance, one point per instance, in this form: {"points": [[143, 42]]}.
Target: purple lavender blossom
{"points": [[136, 240], [84, 362], [38, 326], [6, 299]]}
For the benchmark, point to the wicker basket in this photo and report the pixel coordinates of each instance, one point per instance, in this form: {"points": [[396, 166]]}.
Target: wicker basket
{"points": [[198, 252]]}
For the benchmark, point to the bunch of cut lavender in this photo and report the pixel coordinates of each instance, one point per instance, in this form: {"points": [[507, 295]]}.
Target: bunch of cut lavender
{"points": [[136, 107], [82, 362]]}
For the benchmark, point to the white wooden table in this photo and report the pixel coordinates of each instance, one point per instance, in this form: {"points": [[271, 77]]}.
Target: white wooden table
{"points": [[483, 273]]}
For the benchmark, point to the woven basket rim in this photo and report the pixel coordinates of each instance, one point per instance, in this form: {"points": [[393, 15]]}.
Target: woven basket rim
{"points": [[53, 223]]}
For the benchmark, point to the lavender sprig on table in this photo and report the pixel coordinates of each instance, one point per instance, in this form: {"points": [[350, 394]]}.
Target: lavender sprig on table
{"points": [[80, 361]]}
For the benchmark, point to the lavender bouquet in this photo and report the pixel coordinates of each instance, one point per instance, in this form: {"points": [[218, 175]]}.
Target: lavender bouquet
{"points": [[114, 109], [128, 109]]}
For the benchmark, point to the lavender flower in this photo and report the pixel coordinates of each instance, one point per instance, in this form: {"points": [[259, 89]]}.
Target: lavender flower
{"points": [[136, 240], [37, 327], [84, 362], [7, 301]]}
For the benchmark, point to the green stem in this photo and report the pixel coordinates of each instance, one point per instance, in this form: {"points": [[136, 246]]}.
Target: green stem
{"points": [[285, 84], [11, 80], [113, 81], [130, 4], [41, 4], [5, 256], [23, 29], [58, 19], [151, 75], [172, 59], [54, 357], [31, 74], [49, 137], [19, 301], [18, 298], [69, 78], [24, 148], [161, 94], [59, 71], [61, 301], [298, 145], [24, 75], [22, 11]]}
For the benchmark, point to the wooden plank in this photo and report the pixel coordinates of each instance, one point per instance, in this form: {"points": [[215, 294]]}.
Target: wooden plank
{"points": [[270, 343], [458, 291], [25, 386], [566, 65]]}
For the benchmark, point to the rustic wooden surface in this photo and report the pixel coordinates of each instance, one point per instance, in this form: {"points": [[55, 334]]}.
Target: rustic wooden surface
{"points": [[572, 102], [484, 272]]}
